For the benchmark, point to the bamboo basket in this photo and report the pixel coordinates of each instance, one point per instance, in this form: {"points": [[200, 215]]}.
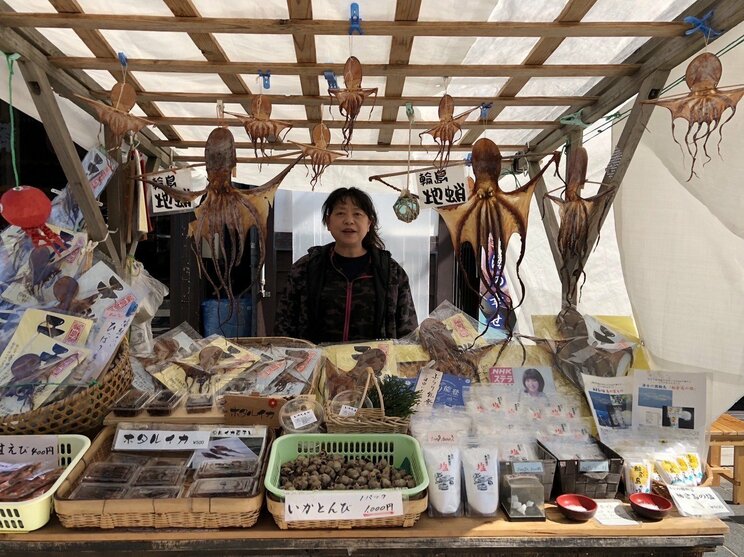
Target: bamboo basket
{"points": [[366, 420], [83, 411], [196, 512], [395, 448]]}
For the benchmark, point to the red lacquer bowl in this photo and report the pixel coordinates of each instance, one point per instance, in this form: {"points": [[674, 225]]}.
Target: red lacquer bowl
{"points": [[649, 505], [576, 507]]}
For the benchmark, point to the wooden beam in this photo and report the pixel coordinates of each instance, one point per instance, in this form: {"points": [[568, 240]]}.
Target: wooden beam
{"points": [[65, 83], [210, 48], [573, 12], [99, 46], [337, 146], [630, 137], [655, 54], [400, 53], [304, 43], [317, 100], [549, 220], [360, 124], [337, 162], [61, 141], [341, 27], [386, 70]]}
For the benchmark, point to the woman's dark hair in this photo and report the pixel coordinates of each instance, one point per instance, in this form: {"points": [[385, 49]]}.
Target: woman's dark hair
{"points": [[364, 202], [532, 373]]}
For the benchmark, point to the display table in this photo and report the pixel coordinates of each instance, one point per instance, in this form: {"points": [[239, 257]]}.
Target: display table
{"points": [[454, 536], [728, 431]]}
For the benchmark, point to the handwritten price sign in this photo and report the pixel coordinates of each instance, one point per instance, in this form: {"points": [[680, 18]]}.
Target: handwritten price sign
{"points": [[359, 505]]}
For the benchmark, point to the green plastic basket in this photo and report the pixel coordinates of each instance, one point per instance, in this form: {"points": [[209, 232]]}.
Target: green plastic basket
{"points": [[394, 447]]}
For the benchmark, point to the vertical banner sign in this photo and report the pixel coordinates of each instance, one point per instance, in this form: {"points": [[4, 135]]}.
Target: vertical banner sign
{"points": [[162, 203], [439, 188], [494, 312]]}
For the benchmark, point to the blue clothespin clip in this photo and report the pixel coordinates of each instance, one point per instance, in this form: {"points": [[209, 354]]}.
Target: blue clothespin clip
{"points": [[266, 77], [468, 159], [573, 120], [355, 22], [701, 24], [122, 59], [331, 79], [484, 108]]}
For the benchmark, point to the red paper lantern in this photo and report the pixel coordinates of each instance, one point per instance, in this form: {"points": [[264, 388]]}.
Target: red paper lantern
{"points": [[29, 208]]}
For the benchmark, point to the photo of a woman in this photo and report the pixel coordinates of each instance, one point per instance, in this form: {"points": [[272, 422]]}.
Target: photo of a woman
{"points": [[533, 383]]}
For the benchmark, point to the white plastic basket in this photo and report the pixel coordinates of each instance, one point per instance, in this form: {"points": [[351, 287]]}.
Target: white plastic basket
{"points": [[26, 516]]}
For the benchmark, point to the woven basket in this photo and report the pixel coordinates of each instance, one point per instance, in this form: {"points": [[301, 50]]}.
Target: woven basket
{"points": [[366, 420], [197, 512], [83, 411]]}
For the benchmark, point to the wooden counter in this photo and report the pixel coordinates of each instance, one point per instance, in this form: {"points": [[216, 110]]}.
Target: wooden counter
{"points": [[454, 536]]}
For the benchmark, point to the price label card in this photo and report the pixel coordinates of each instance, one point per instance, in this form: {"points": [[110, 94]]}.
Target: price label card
{"points": [[29, 448], [612, 512], [304, 418], [159, 440], [442, 437], [528, 467], [356, 505], [594, 466], [698, 501], [347, 411]]}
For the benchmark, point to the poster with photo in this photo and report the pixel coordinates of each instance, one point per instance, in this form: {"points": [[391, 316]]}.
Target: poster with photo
{"points": [[671, 405], [666, 407], [527, 383]]}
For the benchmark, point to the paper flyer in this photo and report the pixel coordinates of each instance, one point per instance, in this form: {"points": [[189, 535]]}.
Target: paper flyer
{"points": [[664, 406], [672, 406]]}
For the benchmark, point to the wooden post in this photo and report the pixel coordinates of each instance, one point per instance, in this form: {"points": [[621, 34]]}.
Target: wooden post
{"points": [[626, 145], [185, 282], [59, 136]]}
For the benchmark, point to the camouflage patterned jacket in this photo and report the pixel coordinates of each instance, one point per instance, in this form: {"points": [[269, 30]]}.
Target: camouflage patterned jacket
{"points": [[321, 305]]}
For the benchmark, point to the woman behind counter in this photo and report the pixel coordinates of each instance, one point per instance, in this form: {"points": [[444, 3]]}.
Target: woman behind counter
{"points": [[350, 289]]}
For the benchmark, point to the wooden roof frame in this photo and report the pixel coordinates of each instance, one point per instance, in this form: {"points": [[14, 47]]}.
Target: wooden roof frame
{"points": [[642, 73], [666, 48]]}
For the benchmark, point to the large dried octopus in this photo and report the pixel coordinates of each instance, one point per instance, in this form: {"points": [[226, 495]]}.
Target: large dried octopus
{"points": [[259, 126], [492, 213], [449, 126], [227, 214], [116, 116], [351, 98], [578, 217], [438, 341], [703, 107], [320, 156]]}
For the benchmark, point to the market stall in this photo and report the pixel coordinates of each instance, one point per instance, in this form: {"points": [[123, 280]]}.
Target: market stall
{"points": [[510, 415]]}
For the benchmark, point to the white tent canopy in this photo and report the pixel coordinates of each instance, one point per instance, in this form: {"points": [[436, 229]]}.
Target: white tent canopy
{"points": [[681, 246]]}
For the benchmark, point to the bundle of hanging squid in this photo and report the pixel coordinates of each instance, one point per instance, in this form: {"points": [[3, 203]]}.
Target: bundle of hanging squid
{"points": [[227, 214]]}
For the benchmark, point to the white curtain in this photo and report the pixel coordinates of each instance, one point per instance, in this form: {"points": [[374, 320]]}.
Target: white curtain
{"points": [[682, 244], [299, 212]]}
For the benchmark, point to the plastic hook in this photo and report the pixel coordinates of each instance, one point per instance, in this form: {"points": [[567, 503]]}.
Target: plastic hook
{"points": [[266, 77], [355, 21], [331, 79]]}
